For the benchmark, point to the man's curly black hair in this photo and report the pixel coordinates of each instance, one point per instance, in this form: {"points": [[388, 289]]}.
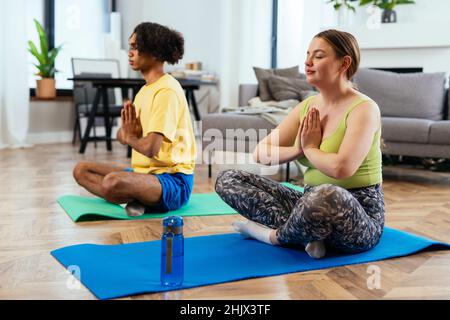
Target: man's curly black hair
{"points": [[164, 44]]}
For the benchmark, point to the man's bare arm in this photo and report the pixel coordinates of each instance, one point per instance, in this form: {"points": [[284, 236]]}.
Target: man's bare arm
{"points": [[149, 145]]}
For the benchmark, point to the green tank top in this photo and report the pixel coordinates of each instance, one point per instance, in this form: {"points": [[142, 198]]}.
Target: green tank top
{"points": [[369, 173]]}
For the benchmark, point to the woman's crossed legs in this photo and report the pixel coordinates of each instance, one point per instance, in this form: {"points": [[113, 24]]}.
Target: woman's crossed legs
{"points": [[323, 214]]}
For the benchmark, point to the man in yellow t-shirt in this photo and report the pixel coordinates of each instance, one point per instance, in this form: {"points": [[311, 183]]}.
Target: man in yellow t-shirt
{"points": [[157, 126]]}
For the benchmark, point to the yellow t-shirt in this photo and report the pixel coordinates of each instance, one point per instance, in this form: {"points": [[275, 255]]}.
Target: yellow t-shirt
{"points": [[163, 108]]}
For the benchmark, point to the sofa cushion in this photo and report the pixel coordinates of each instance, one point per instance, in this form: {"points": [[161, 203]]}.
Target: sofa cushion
{"points": [[283, 88], [262, 76], [440, 132], [411, 95], [247, 92], [448, 105], [405, 129]]}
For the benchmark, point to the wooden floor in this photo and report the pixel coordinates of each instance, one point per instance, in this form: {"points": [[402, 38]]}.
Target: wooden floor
{"points": [[32, 224]]}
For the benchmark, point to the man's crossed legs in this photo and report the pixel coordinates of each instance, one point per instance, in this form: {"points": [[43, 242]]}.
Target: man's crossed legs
{"points": [[115, 185]]}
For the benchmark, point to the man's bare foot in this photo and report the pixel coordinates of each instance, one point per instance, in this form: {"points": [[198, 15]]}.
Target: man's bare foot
{"points": [[134, 208]]}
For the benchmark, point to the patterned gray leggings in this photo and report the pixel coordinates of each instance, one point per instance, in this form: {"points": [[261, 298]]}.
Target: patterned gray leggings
{"points": [[349, 220]]}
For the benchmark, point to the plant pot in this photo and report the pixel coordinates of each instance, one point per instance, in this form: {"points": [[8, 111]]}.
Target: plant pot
{"points": [[45, 88], [389, 16]]}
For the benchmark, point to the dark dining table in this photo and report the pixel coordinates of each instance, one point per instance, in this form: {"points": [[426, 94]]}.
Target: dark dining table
{"points": [[126, 84]]}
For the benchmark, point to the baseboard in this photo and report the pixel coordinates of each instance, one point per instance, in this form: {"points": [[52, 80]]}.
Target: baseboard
{"points": [[63, 136], [50, 137]]}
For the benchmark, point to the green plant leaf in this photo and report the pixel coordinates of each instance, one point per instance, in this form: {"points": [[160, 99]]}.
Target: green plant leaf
{"points": [[365, 2], [52, 54], [43, 39], [338, 4], [41, 70], [385, 4], [45, 58], [49, 71], [33, 50]]}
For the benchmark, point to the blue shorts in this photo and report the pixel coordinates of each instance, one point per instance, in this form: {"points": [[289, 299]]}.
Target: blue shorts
{"points": [[176, 191]]}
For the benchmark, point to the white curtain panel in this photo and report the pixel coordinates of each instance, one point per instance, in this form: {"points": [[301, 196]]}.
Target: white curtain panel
{"points": [[245, 42], [298, 22], [14, 90]]}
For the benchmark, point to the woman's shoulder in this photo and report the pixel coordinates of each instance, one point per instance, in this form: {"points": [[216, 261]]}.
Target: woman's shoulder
{"points": [[364, 108], [365, 99]]}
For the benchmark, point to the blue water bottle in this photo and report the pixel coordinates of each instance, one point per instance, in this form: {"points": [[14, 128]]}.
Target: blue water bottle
{"points": [[172, 252]]}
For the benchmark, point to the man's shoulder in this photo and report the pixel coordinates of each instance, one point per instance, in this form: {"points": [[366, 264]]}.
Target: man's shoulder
{"points": [[169, 82], [169, 86]]}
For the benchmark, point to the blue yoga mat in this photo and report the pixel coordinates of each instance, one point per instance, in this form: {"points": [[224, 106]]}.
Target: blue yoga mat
{"points": [[113, 271]]}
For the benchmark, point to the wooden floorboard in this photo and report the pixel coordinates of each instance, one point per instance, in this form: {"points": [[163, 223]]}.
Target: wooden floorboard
{"points": [[32, 224]]}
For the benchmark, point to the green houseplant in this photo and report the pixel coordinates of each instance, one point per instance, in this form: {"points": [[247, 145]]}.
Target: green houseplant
{"points": [[338, 4], [343, 9], [389, 15], [45, 87]]}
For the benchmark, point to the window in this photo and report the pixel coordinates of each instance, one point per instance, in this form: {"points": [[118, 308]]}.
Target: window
{"points": [[298, 23], [80, 26], [289, 35], [35, 10]]}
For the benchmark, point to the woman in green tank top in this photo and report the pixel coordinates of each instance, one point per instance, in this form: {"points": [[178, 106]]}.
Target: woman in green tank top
{"points": [[336, 135]]}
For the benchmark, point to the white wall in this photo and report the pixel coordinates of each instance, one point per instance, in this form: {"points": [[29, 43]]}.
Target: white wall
{"points": [[51, 121], [231, 36], [227, 36], [421, 12], [197, 20], [419, 38]]}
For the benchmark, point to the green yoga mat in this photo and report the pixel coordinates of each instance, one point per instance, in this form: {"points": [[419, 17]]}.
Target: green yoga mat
{"points": [[92, 209]]}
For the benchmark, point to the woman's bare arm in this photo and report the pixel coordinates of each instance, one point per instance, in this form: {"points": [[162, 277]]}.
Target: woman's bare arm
{"points": [[362, 123], [281, 145]]}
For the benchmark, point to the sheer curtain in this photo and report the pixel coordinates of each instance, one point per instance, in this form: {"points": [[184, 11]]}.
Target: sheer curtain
{"points": [[298, 22], [14, 90], [245, 36]]}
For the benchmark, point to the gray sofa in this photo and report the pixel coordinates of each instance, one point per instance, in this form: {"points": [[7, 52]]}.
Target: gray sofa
{"points": [[214, 127], [414, 108]]}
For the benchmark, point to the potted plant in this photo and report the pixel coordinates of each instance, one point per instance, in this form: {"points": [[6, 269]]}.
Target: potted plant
{"points": [[389, 15], [338, 4], [45, 87], [342, 9]]}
